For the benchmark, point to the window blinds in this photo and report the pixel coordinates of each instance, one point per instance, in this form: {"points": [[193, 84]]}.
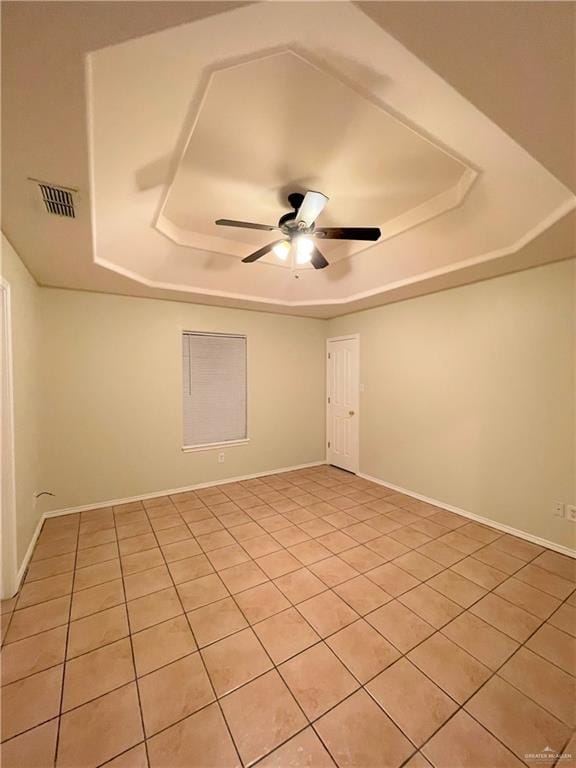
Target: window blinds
{"points": [[213, 388]]}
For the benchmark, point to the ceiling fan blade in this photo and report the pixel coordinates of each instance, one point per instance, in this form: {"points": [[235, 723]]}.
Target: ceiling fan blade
{"points": [[348, 233], [244, 224], [312, 206], [317, 260], [261, 252]]}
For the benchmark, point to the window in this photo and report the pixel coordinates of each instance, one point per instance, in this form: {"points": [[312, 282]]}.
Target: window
{"points": [[213, 388]]}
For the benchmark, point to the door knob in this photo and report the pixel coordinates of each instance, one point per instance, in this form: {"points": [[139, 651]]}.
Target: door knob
{"points": [[350, 413]]}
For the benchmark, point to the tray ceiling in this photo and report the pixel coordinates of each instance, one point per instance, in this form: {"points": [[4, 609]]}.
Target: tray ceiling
{"points": [[281, 123], [143, 122], [232, 115]]}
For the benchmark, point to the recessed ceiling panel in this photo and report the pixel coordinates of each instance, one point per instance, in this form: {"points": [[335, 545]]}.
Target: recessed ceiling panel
{"points": [[279, 123], [224, 117]]}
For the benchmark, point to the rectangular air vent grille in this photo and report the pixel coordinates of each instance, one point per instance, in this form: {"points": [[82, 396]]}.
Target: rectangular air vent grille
{"points": [[58, 200]]}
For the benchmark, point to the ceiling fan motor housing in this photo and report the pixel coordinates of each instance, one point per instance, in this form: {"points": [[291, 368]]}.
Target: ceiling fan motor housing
{"points": [[295, 199]]}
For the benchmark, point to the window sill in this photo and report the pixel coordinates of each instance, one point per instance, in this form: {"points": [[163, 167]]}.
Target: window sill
{"points": [[213, 446]]}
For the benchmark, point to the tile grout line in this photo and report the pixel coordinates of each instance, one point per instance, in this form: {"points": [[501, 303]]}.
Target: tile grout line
{"points": [[274, 667], [322, 640], [216, 699], [284, 548], [309, 723], [365, 574], [63, 683], [302, 566], [131, 646], [18, 594], [362, 686], [494, 673], [358, 544], [295, 605], [328, 587], [228, 693]]}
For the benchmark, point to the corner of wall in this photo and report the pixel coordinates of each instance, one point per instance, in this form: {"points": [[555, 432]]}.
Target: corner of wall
{"points": [[25, 326]]}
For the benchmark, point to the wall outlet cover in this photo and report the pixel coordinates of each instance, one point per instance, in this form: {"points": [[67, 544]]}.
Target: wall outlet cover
{"points": [[571, 512], [558, 509]]}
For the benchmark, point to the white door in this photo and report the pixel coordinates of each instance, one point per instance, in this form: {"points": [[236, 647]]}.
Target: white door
{"points": [[343, 402]]}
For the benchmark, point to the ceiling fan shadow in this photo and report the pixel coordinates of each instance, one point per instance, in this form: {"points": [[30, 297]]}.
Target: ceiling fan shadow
{"points": [[154, 173], [219, 262], [337, 270]]}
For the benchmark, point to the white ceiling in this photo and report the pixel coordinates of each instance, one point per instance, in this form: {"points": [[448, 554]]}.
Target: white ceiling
{"points": [[224, 116]]}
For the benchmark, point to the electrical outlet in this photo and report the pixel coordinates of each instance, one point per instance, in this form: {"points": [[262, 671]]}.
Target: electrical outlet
{"points": [[571, 512], [221, 457], [558, 509]]}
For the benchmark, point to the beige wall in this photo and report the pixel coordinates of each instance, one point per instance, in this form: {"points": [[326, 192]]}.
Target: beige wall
{"points": [[112, 424], [469, 397], [25, 301]]}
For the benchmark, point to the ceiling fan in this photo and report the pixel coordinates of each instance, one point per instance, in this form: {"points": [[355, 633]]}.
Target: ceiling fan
{"points": [[298, 230]]}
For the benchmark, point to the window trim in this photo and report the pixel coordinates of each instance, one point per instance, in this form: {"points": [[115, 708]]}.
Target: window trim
{"points": [[213, 446], [225, 443]]}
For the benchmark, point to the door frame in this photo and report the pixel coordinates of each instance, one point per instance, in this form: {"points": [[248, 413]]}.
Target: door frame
{"points": [[346, 337], [8, 569]]}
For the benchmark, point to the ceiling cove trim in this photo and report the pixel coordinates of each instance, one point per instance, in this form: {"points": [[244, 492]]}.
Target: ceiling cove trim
{"points": [[438, 205], [559, 213], [404, 102]]}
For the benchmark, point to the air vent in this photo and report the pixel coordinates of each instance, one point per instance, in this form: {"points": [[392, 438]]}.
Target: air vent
{"points": [[59, 201]]}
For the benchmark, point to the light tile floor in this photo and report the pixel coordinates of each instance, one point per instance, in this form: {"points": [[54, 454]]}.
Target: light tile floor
{"points": [[304, 619]]}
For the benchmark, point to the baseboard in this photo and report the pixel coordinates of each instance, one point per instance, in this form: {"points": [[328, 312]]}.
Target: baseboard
{"points": [[28, 555], [143, 497], [449, 507], [173, 491], [477, 518]]}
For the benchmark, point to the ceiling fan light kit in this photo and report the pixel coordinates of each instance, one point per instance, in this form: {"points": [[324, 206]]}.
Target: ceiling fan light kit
{"points": [[304, 249], [299, 228], [282, 250]]}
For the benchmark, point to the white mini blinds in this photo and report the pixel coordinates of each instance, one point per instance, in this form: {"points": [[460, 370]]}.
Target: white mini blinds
{"points": [[213, 388]]}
